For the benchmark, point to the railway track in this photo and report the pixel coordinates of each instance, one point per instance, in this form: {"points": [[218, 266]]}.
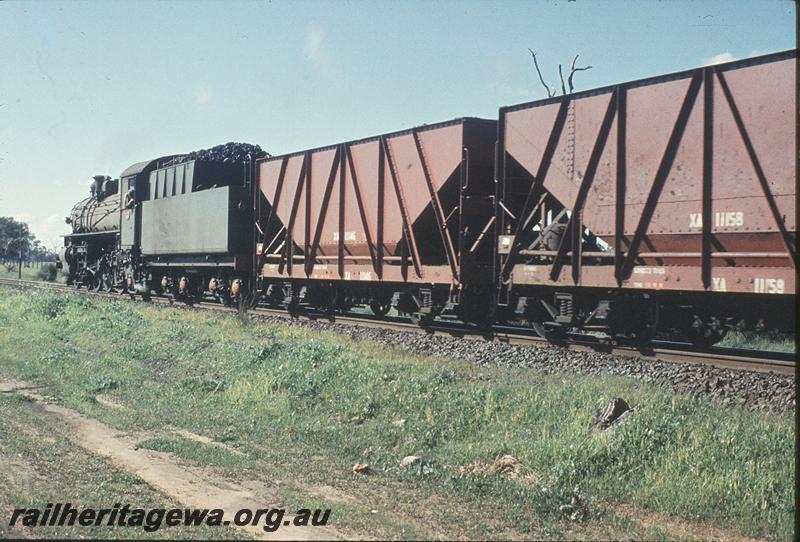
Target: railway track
{"points": [[676, 352]]}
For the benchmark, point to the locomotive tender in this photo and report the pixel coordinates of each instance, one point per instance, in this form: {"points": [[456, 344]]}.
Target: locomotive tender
{"points": [[664, 203]]}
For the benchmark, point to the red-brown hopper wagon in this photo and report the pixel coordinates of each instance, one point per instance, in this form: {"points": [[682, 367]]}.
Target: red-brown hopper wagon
{"points": [[665, 202], [403, 219]]}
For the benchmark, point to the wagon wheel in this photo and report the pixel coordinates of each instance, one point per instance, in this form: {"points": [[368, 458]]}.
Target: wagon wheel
{"points": [[639, 329], [293, 308], [503, 315], [271, 296], [478, 308], [554, 333], [633, 320], [542, 323], [423, 319], [380, 307], [343, 307], [704, 333], [634, 337], [325, 302]]}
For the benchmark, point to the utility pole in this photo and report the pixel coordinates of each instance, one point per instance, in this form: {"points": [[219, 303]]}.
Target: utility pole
{"points": [[18, 240]]}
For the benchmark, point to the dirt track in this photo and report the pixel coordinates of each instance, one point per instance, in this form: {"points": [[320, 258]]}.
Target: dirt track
{"points": [[192, 487]]}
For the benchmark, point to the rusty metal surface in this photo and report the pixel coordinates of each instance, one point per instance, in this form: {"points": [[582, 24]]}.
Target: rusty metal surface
{"points": [[699, 162], [755, 280], [398, 207]]}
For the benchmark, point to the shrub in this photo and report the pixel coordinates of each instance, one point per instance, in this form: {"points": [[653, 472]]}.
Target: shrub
{"points": [[47, 273]]}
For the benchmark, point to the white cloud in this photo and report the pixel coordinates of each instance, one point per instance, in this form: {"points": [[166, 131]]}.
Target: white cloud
{"points": [[313, 49], [316, 50], [719, 59], [515, 93], [202, 95]]}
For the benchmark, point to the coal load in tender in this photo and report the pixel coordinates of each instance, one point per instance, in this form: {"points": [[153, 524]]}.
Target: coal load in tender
{"points": [[229, 152]]}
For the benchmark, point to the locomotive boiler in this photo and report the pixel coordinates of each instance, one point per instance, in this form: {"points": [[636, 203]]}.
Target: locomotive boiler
{"points": [[95, 230]]}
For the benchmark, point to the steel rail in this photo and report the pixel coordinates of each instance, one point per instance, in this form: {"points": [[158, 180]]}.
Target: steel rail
{"points": [[665, 351]]}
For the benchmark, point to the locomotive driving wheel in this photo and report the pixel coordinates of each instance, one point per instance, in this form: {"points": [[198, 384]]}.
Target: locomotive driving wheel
{"points": [[101, 282]]}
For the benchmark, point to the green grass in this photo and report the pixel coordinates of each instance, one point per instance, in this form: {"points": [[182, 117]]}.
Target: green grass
{"points": [[777, 342], [195, 452], [34, 272], [49, 468], [305, 406], [28, 273]]}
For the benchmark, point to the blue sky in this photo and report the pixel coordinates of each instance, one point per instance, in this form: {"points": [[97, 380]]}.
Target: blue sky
{"points": [[91, 87]]}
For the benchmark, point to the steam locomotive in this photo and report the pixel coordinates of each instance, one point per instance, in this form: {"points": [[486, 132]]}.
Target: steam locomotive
{"points": [[178, 225]]}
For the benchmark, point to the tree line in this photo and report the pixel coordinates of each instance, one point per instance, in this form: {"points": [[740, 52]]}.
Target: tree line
{"points": [[17, 243]]}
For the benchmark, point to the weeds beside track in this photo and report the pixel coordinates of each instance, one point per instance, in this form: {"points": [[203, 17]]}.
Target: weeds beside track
{"points": [[738, 356], [302, 407]]}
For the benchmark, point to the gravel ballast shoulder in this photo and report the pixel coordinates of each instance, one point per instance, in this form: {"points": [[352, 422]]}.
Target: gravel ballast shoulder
{"points": [[732, 387]]}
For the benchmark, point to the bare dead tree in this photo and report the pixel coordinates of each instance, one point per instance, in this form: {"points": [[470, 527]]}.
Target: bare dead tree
{"points": [[569, 83], [572, 71], [536, 65]]}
